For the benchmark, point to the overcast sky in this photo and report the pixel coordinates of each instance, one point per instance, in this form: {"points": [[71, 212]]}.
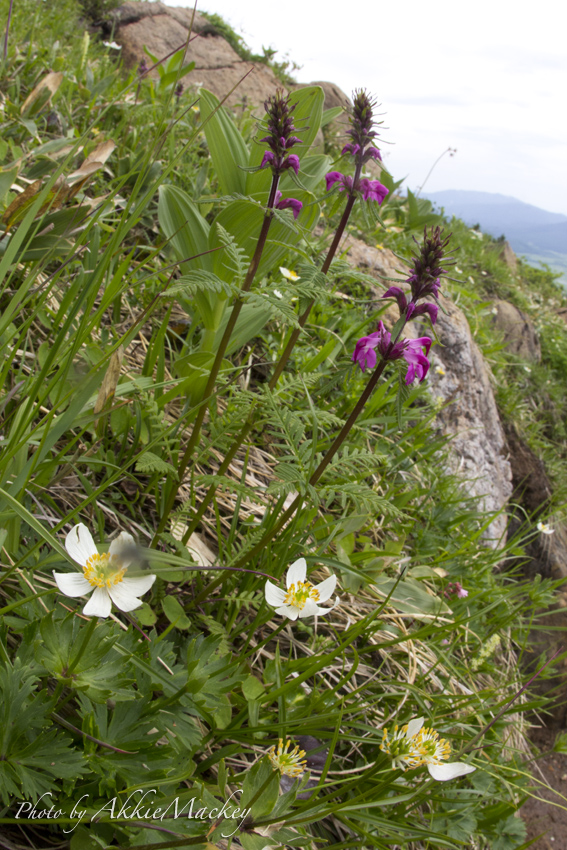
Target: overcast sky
{"points": [[488, 78]]}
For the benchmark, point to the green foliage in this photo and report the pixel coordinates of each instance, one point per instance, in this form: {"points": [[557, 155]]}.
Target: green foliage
{"points": [[115, 295]]}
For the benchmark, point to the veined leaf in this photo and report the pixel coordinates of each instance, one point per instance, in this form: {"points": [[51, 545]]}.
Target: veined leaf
{"points": [[227, 147]]}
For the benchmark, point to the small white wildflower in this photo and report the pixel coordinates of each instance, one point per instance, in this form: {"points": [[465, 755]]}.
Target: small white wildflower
{"points": [[105, 573], [440, 370], [414, 746], [458, 270], [527, 368], [113, 45], [302, 597], [470, 279], [290, 275], [545, 528], [277, 293]]}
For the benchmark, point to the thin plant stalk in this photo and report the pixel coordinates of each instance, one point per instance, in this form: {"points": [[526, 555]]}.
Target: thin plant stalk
{"points": [[215, 368], [280, 366]]}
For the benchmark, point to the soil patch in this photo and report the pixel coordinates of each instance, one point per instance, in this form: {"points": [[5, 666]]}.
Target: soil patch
{"points": [[541, 816]]}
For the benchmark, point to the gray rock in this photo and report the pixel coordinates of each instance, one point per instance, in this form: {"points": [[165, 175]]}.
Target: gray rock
{"points": [[460, 378], [518, 331], [218, 67]]}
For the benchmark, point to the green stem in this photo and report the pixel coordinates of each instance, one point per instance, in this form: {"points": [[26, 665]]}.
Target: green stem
{"points": [[87, 636], [215, 368], [280, 366]]}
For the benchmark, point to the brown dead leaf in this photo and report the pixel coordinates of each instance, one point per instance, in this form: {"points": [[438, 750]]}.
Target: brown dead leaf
{"points": [[45, 90], [110, 381]]}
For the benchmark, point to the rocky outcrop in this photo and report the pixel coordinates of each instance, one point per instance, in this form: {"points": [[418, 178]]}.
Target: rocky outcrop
{"points": [[518, 331], [218, 67], [461, 380], [507, 254]]}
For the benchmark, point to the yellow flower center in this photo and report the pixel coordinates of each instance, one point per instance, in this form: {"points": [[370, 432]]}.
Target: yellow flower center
{"points": [[289, 764], [103, 570], [299, 593], [431, 748]]}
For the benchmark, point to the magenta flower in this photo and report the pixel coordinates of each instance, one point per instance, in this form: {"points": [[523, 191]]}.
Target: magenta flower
{"points": [[345, 183], [411, 310], [410, 349], [288, 203], [372, 190], [418, 364], [429, 308], [455, 588]]}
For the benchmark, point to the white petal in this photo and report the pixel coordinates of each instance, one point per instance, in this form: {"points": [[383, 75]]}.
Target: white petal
{"points": [[137, 586], [297, 572], [310, 609], [80, 545], [326, 588], [123, 597], [99, 604], [72, 584], [123, 547], [444, 772], [321, 612], [288, 611], [414, 726], [274, 595]]}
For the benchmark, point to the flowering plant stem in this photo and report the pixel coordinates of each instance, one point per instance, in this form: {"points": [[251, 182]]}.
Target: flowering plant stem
{"points": [[215, 368], [280, 366], [298, 501]]}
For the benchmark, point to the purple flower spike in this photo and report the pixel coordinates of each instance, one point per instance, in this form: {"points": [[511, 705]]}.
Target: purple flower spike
{"points": [[425, 278], [372, 190], [418, 364], [288, 204], [280, 138]]}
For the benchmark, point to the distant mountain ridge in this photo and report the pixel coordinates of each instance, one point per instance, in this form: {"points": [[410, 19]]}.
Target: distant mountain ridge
{"points": [[538, 234]]}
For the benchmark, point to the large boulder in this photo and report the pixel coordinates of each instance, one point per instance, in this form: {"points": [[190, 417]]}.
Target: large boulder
{"points": [[460, 378], [218, 67]]}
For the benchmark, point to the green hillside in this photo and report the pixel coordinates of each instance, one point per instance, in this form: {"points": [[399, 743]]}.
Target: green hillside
{"points": [[192, 467]]}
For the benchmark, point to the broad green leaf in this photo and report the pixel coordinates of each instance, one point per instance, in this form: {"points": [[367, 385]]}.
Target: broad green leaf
{"points": [[174, 612], [184, 226], [409, 597], [6, 179], [228, 149], [244, 221], [248, 325]]}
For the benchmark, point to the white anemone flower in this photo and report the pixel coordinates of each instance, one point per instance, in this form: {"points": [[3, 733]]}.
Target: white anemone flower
{"points": [[301, 597], [415, 746], [289, 274], [103, 572], [545, 528]]}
